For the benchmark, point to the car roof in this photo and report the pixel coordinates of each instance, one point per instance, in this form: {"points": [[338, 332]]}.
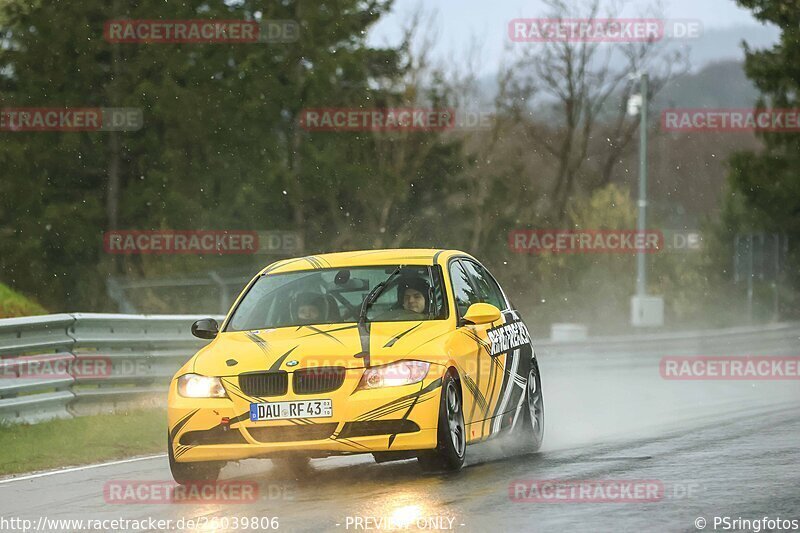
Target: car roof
{"points": [[396, 256]]}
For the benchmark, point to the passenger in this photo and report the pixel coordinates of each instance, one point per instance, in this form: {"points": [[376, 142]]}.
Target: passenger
{"points": [[308, 307]]}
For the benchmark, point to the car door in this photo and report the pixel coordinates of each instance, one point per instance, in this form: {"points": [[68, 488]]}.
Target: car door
{"points": [[480, 372], [510, 352]]}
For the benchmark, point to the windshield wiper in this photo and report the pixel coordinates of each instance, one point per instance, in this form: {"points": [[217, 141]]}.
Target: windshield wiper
{"points": [[374, 293]]}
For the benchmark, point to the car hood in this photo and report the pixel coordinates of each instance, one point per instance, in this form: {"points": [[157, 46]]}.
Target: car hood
{"points": [[292, 348]]}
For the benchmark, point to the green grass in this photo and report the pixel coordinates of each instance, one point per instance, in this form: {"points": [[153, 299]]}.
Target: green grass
{"points": [[83, 440], [14, 304]]}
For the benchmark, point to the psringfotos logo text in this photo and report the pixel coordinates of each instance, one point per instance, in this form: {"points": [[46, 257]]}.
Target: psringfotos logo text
{"points": [[731, 120], [627, 30], [586, 491], [722, 367], [21, 119], [159, 242], [201, 31], [585, 241]]}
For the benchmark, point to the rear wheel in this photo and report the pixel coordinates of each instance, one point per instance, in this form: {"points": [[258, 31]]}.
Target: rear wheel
{"points": [[528, 435], [451, 433], [188, 473]]}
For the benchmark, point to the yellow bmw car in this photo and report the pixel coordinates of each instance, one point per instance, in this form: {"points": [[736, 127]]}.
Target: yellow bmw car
{"points": [[398, 353]]}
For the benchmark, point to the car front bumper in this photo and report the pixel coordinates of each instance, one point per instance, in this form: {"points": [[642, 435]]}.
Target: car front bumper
{"points": [[387, 419]]}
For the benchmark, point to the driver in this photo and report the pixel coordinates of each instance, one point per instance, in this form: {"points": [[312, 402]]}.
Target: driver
{"points": [[413, 295], [308, 307]]}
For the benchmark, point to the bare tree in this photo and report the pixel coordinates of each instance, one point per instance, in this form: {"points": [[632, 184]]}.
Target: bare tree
{"points": [[579, 89]]}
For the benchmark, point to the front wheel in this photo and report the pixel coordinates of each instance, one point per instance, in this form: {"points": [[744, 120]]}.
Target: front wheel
{"points": [[191, 473], [452, 435]]}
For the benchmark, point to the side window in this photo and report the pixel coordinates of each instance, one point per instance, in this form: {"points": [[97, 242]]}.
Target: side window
{"points": [[488, 290], [463, 292], [439, 298], [495, 288]]}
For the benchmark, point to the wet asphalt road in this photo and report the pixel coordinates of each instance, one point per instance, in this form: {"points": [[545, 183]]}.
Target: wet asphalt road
{"points": [[715, 449]]}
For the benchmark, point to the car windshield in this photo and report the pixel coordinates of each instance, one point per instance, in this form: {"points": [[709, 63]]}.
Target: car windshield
{"points": [[334, 296]]}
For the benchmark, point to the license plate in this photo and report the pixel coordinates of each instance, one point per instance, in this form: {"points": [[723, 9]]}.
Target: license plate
{"points": [[285, 410]]}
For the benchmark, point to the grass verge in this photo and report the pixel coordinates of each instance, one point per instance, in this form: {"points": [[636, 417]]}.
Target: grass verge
{"points": [[82, 440], [14, 304]]}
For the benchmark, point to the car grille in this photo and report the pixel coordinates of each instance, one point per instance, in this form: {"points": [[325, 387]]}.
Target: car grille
{"points": [[292, 433], [318, 380], [264, 383], [370, 428], [215, 435]]}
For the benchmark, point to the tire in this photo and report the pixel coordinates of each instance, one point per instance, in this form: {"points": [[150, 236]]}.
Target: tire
{"points": [[528, 435], [188, 473], [451, 432]]}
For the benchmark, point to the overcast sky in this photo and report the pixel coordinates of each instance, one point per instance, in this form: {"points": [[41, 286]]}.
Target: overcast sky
{"points": [[460, 23]]}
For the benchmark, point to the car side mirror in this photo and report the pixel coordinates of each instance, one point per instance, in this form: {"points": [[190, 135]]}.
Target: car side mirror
{"points": [[205, 328], [482, 314]]}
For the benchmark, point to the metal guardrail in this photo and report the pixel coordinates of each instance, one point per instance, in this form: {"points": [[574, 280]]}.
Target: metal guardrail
{"points": [[769, 339], [58, 366], [131, 358]]}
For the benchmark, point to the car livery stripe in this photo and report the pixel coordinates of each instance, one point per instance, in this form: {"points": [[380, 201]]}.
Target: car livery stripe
{"points": [[313, 261], [495, 369], [393, 404], [318, 331], [506, 390], [399, 336], [179, 424], [405, 416], [264, 345], [279, 361], [475, 391], [283, 264], [481, 343], [322, 332], [389, 410], [363, 334], [231, 388], [518, 411]]}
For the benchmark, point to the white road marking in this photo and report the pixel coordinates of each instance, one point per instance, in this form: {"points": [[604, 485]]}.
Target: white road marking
{"points": [[80, 468]]}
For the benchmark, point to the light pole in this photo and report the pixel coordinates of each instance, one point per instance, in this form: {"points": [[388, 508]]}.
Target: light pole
{"points": [[641, 225], [645, 310]]}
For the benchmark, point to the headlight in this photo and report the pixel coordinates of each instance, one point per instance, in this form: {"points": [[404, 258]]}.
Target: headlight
{"points": [[394, 375], [196, 386]]}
